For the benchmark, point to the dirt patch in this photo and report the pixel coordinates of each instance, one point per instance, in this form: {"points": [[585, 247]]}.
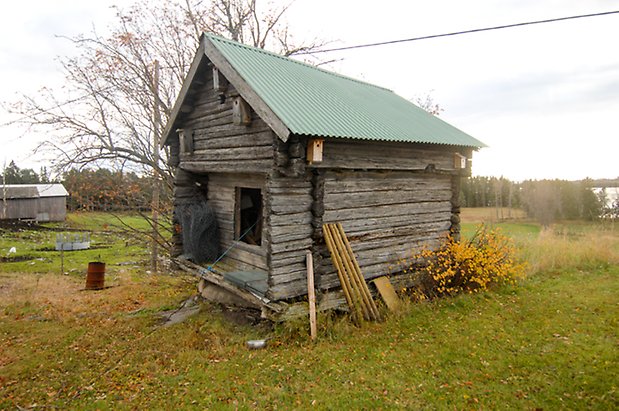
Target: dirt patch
{"points": [[94, 247], [17, 258], [20, 225]]}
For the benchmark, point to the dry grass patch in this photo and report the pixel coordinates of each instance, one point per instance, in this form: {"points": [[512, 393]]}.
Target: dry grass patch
{"points": [[561, 248], [491, 214]]}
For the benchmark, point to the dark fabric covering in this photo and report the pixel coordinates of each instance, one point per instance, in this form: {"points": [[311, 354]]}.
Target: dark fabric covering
{"points": [[199, 231]]}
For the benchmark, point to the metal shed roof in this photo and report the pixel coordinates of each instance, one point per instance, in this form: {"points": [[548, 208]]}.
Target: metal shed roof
{"points": [[313, 101], [34, 190], [12, 192]]}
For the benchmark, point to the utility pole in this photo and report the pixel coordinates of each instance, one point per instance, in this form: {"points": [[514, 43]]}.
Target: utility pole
{"points": [[155, 200]]}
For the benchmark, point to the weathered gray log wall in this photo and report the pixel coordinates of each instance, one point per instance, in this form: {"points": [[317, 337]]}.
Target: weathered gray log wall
{"points": [[222, 198], [222, 156], [387, 216], [290, 225], [393, 199], [219, 145], [373, 155]]}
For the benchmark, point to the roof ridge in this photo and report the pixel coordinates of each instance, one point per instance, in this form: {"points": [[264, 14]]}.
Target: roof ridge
{"points": [[273, 54]]}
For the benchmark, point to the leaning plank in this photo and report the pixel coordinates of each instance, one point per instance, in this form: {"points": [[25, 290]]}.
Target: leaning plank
{"points": [[387, 292], [219, 280], [311, 295], [365, 292], [349, 273], [344, 281]]}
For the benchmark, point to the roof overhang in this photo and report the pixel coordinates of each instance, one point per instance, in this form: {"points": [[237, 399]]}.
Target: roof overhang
{"points": [[208, 53]]}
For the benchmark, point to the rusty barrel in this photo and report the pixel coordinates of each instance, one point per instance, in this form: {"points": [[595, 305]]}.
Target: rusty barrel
{"points": [[95, 278]]}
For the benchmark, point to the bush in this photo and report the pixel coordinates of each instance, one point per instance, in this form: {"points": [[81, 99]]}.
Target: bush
{"points": [[487, 259]]}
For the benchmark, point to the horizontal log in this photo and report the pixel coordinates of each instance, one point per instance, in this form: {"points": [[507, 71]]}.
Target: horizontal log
{"points": [[326, 301], [337, 201], [363, 227], [377, 185], [231, 180], [289, 182], [346, 214], [288, 258], [287, 290], [302, 200], [209, 142], [291, 246], [290, 208], [382, 155], [250, 166], [235, 154], [281, 234], [284, 191], [292, 272], [304, 217]]}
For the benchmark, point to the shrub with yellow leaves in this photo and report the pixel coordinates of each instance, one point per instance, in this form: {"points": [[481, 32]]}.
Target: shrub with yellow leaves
{"points": [[470, 265]]}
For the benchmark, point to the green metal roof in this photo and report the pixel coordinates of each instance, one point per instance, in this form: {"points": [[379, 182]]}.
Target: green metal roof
{"points": [[313, 101]]}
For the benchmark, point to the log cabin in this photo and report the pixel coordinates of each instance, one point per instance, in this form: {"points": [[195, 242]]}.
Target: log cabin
{"points": [[276, 148]]}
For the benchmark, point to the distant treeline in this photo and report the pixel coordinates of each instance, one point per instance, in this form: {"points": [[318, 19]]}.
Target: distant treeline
{"points": [[15, 175], [106, 190], [92, 190], [544, 200]]}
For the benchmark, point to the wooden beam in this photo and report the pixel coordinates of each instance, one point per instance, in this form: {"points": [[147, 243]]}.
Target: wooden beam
{"points": [[219, 280], [311, 294]]}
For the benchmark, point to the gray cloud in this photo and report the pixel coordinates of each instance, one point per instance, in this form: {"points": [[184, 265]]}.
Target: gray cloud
{"points": [[541, 92]]}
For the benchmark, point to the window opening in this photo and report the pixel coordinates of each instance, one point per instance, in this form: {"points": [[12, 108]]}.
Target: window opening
{"points": [[249, 216]]}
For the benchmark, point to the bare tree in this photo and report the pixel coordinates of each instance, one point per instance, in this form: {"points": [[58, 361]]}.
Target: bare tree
{"points": [[115, 102], [104, 116], [427, 103]]}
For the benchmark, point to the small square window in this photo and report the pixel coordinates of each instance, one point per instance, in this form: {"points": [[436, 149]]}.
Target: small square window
{"points": [[248, 216]]}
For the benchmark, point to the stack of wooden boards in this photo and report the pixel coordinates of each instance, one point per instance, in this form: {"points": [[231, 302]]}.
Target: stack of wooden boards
{"points": [[354, 286]]}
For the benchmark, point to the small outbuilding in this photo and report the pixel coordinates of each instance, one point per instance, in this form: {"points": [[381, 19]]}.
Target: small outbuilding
{"points": [[275, 148], [35, 202]]}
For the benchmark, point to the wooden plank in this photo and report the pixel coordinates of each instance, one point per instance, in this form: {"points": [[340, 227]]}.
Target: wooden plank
{"points": [[356, 273], [289, 272], [387, 293], [311, 295], [288, 290], [218, 280]]}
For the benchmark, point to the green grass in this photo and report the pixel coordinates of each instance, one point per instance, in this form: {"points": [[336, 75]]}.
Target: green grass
{"points": [[111, 242], [548, 343]]}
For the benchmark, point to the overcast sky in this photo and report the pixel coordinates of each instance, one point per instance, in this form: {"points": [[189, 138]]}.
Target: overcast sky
{"points": [[544, 98]]}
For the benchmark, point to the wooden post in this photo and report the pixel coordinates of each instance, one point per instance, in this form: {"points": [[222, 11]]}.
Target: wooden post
{"points": [[155, 199], [62, 258], [311, 294]]}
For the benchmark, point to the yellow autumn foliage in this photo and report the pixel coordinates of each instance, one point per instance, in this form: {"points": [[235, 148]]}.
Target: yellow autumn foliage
{"points": [[473, 265]]}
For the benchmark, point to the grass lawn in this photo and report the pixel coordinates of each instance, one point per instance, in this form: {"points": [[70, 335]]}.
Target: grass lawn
{"points": [[549, 342]]}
